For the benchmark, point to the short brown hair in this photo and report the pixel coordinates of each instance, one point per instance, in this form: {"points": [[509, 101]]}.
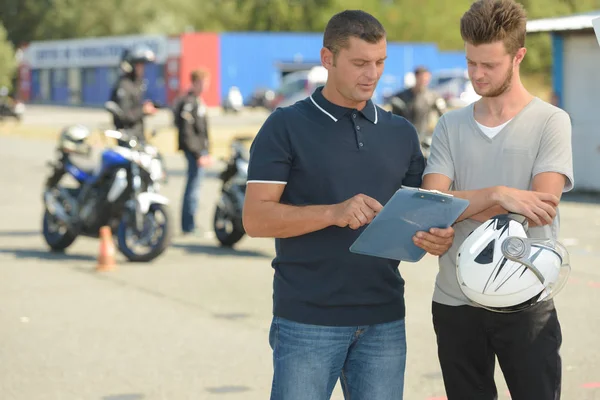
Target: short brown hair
{"points": [[199, 74], [351, 23], [489, 21], [421, 69]]}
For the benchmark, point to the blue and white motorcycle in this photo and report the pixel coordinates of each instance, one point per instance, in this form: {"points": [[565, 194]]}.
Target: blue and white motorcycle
{"points": [[121, 192]]}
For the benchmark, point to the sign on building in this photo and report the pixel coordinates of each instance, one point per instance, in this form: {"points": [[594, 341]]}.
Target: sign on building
{"points": [[92, 52]]}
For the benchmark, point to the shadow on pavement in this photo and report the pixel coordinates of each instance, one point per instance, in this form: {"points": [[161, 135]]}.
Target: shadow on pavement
{"points": [[227, 389], [220, 251], [19, 233], [133, 396], [41, 254], [231, 316], [208, 173]]}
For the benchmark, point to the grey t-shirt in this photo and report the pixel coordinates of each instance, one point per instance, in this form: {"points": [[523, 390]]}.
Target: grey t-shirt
{"points": [[536, 140]]}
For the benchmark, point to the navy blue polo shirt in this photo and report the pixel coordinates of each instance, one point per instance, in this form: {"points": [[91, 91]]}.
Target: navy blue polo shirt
{"points": [[326, 154]]}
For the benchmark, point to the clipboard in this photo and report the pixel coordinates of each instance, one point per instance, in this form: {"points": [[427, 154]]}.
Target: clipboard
{"points": [[409, 210]]}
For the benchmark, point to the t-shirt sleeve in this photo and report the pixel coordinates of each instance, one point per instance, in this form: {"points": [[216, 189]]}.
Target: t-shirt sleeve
{"points": [[440, 157], [270, 152], [555, 153]]}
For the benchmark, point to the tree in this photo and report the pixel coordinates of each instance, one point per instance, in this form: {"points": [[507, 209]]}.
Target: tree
{"points": [[8, 62], [405, 20], [22, 17]]}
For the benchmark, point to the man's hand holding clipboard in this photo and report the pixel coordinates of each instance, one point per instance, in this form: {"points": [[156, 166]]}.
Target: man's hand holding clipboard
{"points": [[436, 242], [355, 212], [414, 221]]}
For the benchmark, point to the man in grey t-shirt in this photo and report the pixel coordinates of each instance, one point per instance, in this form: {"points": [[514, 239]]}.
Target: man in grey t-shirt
{"points": [[508, 152]]}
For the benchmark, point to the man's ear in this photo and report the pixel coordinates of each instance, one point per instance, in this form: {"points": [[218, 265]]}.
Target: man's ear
{"points": [[327, 58], [520, 56]]}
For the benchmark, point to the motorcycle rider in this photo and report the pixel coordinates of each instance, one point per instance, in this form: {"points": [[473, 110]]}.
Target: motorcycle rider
{"points": [[128, 93], [192, 124], [416, 103]]}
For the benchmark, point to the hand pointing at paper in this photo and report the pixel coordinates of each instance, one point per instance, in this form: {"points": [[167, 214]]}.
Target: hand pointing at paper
{"points": [[436, 241]]}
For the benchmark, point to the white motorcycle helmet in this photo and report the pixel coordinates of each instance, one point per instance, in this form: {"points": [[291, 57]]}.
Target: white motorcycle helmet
{"points": [[503, 270], [73, 139]]}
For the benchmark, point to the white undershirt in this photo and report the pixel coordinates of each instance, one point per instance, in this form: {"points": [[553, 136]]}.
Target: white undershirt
{"points": [[493, 131]]}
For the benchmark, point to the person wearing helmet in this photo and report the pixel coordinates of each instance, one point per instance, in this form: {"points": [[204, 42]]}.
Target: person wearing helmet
{"points": [[128, 93], [510, 155]]}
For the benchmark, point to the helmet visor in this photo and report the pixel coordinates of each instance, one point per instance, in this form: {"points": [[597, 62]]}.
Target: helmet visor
{"points": [[532, 252]]}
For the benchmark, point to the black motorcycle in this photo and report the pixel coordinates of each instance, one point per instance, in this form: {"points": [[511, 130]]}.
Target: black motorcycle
{"points": [[228, 214], [9, 108]]}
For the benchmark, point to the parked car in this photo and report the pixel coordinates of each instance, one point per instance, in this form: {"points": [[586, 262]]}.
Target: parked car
{"points": [[298, 85], [455, 87], [262, 98]]}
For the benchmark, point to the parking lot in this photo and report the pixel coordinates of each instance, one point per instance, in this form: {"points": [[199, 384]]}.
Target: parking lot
{"points": [[194, 323]]}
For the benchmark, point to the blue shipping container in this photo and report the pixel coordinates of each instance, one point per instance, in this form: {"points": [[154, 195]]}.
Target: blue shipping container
{"points": [[251, 60]]}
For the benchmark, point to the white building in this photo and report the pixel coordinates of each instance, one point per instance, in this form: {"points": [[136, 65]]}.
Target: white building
{"points": [[576, 81]]}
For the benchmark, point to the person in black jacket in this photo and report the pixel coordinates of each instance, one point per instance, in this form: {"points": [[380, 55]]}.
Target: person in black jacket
{"points": [[416, 103], [128, 93], [192, 124]]}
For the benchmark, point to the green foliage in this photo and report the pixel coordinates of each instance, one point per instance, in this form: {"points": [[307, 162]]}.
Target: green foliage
{"points": [[405, 20], [7, 60]]}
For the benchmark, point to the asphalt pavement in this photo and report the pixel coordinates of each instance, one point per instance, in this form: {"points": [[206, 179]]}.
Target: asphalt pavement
{"points": [[194, 323]]}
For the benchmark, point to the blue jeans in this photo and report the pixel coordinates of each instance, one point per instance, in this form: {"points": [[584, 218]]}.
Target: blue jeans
{"points": [[308, 360], [191, 194]]}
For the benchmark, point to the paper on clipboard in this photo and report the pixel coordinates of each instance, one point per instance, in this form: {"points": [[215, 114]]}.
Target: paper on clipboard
{"points": [[409, 210]]}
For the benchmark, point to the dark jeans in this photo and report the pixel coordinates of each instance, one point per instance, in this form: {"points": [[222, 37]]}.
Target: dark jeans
{"points": [[526, 343], [192, 193], [309, 359]]}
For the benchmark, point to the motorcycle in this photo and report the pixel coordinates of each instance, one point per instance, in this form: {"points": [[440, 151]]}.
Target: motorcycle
{"points": [[10, 107], [227, 222], [120, 193], [234, 101]]}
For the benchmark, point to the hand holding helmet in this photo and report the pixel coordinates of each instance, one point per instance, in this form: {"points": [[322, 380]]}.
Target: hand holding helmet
{"points": [[502, 269], [539, 207]]}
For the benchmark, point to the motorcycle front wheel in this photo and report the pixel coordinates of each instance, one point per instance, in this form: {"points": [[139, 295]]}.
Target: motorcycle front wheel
{"points": [[228, 229], [153, 239], [56, 235]]}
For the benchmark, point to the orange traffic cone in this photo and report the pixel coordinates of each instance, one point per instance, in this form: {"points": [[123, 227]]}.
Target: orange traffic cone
{"points": [[106, 257]]}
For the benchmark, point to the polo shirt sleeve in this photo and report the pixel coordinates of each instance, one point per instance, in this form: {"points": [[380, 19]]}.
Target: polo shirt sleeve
{"points": [[270, 152], [440, 158], [414, 175], [555, 152]]}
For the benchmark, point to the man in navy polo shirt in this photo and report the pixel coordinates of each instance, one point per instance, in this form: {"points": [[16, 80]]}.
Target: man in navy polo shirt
{"points": [[319, 171]]}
